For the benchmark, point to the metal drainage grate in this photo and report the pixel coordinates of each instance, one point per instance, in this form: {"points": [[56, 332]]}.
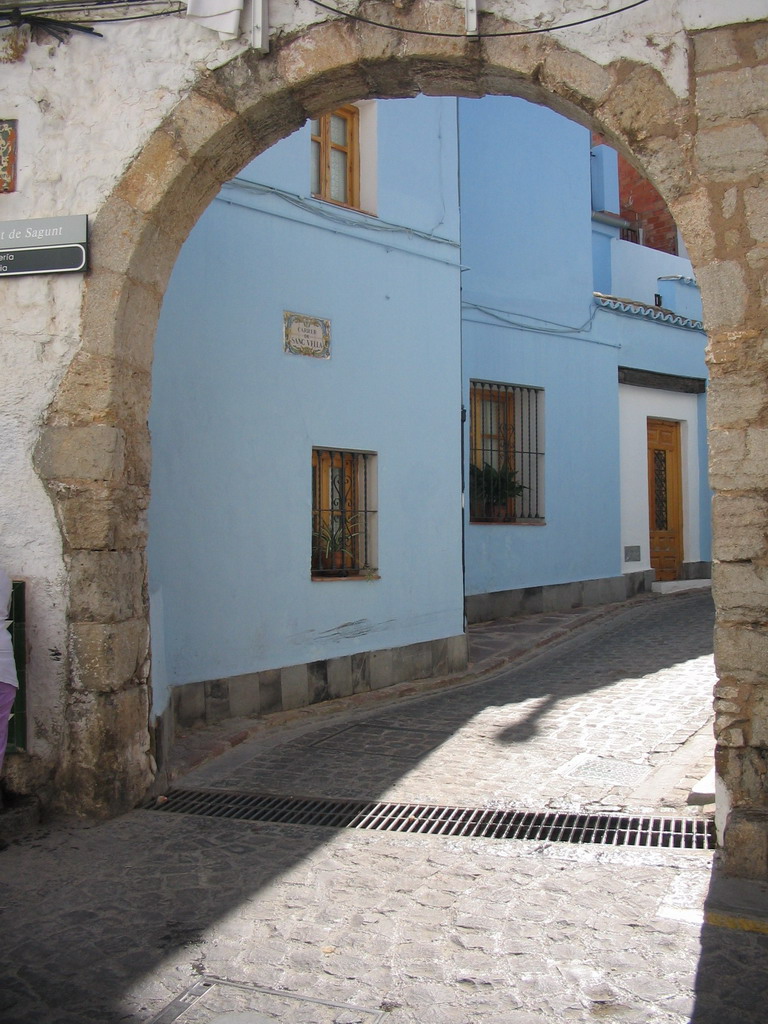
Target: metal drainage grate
{"points": [[477, 823]]}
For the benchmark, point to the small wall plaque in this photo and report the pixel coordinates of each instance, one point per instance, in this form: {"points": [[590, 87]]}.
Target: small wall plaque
{"points": [[632, 553], [307, 335]]}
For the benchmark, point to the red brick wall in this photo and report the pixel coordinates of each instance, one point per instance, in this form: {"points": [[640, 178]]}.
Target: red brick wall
{"points": [[643, 206]]}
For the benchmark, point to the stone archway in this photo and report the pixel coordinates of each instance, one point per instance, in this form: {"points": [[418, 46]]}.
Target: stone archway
{"points": [[707, 156]]}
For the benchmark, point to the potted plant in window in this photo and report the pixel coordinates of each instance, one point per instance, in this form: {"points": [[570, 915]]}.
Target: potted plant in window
{"points": [[333, 547], [491, 491]]}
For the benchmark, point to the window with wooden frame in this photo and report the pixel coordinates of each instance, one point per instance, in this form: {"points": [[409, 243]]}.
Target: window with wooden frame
{"points": [[336, 157], [506, 456], [343, 513]]}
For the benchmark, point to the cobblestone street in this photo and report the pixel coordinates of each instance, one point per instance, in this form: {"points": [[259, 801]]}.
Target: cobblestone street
{"points": [[176, 917]]}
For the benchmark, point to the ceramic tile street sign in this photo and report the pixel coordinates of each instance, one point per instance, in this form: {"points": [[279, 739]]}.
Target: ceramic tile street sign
{"points": [[307, 335]]}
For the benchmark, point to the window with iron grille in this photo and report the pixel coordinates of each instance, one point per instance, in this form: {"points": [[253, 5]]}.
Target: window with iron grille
{"points": [[343, 513], [335, 157], [506, 456]]}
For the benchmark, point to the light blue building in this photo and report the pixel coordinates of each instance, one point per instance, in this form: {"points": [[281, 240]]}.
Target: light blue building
{"points": [[576, 376], [357, 356]]}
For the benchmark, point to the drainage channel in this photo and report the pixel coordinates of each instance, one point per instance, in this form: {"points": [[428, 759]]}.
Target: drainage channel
{"points": [[426, 819]]}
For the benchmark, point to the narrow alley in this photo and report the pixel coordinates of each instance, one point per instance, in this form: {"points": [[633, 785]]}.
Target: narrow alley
{"points": [[162, 917]]}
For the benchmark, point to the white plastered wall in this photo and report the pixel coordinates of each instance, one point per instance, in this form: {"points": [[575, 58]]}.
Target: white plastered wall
{"points": [[636, 405]]}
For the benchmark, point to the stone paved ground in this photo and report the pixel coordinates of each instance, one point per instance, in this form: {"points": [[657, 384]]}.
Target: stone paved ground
{"points": [[115, 922], [592, 724]]}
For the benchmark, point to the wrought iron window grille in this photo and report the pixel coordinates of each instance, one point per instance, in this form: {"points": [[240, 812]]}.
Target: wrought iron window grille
{"points": [[343, 514], [506, 457]]}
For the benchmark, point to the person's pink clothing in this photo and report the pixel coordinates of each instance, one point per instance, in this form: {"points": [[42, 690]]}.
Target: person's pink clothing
{"points": [[7, 697], [8, 680]]}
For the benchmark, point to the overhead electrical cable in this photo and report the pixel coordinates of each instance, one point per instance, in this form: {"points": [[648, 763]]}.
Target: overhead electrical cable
{"points": [[34, 14], [480, 35]]}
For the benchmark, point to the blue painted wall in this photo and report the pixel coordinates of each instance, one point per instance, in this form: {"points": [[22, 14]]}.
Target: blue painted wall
{"points": [[414, 319], [527, 244], [525, 210], [533, 257], [234, 418]]}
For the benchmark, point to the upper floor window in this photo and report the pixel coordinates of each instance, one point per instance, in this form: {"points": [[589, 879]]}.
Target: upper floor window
{"points": [[336, 157], [506, 458]]}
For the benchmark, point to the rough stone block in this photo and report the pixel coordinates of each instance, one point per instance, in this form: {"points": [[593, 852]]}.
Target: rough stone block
{"points": [[120, 317], [216, 700], [577, 78], [317, 682], [756, 207], [524, 54], [411, 662], [122, 241], [730, 153], [361, 672], [741, 650], [88, 522], [195, 122], [106, 586], [145, 184], [714, 51], [737, 399], [294, 684], [270, 691], [102, 388], [332, 47], [724, 294], [694, 216], [745, 844], [758, 727], [561, 595], [665, 162], [740, 592], [189, 704], [728, 733], [102, 517], [732, 95], [108, 657], [88, 387], [740, 526], [245, 695], [110, 767], [340, 682], [603, 591], [738, 458], [743, 770], [381, 669], [92, 452], [454, 654], [641, 107]]}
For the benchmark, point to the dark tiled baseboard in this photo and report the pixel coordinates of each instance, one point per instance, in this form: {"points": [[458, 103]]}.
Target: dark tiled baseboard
{"points": [[257, 694]]}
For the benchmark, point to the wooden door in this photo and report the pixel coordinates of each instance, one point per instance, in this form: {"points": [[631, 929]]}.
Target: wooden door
{"points": [[665, 498]]}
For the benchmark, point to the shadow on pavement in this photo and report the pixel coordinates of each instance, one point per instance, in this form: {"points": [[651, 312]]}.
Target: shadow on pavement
{"points": [[732, 977], [108, 923]]}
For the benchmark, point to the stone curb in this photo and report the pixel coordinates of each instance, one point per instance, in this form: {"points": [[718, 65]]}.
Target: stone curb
{"points": [[736, 903]]}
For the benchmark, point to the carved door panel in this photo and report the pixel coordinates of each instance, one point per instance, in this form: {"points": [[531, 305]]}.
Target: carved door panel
{"points": [[665, 504]]}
